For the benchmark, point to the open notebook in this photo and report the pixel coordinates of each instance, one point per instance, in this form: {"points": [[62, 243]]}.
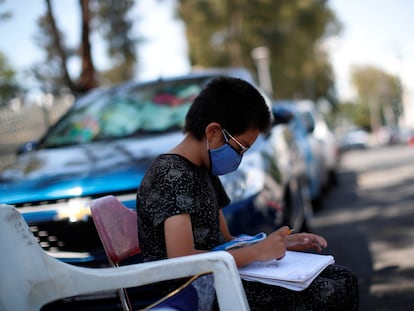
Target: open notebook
{"points": [[295, 271]]}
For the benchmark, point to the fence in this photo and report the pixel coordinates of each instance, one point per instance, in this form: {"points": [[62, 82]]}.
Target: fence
{"points": [[28, 122]]}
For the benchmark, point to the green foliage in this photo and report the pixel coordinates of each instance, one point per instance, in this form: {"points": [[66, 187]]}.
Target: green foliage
{"points": [[8, 85], [50, 73], [115, 26], [355, 114], [4, 15], [111, 20], [371, 81], [223, 33], [381, 92]]}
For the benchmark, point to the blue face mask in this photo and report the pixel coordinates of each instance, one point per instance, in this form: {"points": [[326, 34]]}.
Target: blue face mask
{"points": [[224, 159]]}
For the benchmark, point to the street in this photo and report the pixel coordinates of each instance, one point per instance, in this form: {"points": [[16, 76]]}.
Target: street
{"points": [[368, 220]]}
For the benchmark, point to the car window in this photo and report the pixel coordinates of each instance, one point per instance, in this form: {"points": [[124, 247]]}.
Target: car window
{"points": [[136, 110]]}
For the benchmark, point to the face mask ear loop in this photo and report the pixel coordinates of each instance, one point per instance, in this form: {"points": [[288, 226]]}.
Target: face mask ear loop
{"points": [[209, 156]]}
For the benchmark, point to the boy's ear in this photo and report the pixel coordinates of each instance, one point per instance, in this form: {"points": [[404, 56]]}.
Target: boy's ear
{"points": [[213, 130]]}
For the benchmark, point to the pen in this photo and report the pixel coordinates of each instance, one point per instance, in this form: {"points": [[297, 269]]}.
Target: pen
{"points": [[289, 231]]}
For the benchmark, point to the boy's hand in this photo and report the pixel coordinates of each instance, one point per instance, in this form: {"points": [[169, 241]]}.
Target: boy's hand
{"points": [[305, 241], [273, 247]]}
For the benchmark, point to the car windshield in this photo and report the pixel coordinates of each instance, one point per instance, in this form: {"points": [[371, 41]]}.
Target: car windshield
{"points": [[128, 111]]}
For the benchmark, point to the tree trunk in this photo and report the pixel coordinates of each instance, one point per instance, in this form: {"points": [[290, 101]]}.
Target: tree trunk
{"points": [[59, 48], [87, 78], [236, 21]]}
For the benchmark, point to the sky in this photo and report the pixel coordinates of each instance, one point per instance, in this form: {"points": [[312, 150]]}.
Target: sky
{"points": [[375, 32], [164, 51]]}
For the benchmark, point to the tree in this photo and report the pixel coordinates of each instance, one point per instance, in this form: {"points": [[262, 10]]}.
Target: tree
{"points": [[115, 28], [87, 79], [350, 114], [109, 17], [8, 85], [380, 92], [223, 33], [4, 15]]}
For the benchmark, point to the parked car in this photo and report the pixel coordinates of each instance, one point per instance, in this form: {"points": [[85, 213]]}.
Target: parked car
{"points": [[407, 136], [311, 148], [104, 144], [293, 172], [354, 138], [330, 145]]}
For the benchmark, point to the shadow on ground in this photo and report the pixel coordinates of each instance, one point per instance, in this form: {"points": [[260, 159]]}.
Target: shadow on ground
{"points": [[362, 227]]}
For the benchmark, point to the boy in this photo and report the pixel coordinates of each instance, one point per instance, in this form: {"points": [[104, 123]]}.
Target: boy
{"points": [[180, 199]]}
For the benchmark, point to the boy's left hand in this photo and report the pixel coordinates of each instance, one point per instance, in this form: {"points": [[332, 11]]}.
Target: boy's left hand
{"points": [[304, 241]]}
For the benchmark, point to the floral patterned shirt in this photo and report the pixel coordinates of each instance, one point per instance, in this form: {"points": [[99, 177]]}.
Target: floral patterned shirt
{"points": [[173, 185]]}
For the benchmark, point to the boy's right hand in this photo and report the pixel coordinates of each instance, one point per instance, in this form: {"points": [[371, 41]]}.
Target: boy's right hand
{"points": [[273, 247]]}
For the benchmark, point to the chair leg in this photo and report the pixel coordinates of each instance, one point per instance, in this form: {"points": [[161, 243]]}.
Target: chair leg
{"points": [[123, 296], [122, 292]]}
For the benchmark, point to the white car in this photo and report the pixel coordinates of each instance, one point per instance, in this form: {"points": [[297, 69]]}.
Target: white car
{"points": [[355, 138], [327, 139]]}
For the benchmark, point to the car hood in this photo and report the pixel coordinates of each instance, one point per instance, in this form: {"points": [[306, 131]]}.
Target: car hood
{"points": [[81, 170]]}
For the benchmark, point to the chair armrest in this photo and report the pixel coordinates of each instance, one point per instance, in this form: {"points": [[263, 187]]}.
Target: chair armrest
{"points": [[227, 283], [30, 278]]}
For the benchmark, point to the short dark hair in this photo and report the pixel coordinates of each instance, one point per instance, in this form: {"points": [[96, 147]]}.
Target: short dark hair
{"points": [[233, 103]]}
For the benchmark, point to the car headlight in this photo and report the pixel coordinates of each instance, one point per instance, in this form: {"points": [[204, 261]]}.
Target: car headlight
{"points": [[247, 180]]}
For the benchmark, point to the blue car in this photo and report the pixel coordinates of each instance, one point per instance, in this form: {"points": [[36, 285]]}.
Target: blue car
{"points": [[104, 145]]}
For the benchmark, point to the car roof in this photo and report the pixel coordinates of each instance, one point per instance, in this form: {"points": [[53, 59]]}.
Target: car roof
{"points": [[197, 73]]}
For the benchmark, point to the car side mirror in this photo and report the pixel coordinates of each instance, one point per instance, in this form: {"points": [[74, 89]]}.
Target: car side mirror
{"points": [[26, 147], [281, 116], [309, 122]]}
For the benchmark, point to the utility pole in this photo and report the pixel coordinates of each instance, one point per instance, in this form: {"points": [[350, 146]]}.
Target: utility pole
{"points": [[261, 57]]}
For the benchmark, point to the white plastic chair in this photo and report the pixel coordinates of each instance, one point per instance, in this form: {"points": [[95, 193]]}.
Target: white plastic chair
{"points": [[30, 278]]}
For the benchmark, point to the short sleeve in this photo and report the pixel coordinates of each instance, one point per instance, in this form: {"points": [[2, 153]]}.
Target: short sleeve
{"points": [[222, 197], [168, 191]]}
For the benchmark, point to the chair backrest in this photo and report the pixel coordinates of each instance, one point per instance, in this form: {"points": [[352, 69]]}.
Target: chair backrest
{"points": [[117, 228], [30, 278]]}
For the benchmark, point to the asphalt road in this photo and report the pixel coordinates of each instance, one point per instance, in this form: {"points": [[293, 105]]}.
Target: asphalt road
{"points": [[368, 220]]}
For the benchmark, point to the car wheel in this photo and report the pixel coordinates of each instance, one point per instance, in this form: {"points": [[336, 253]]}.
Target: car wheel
{"points": [[298, 212], [307, 224]]}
